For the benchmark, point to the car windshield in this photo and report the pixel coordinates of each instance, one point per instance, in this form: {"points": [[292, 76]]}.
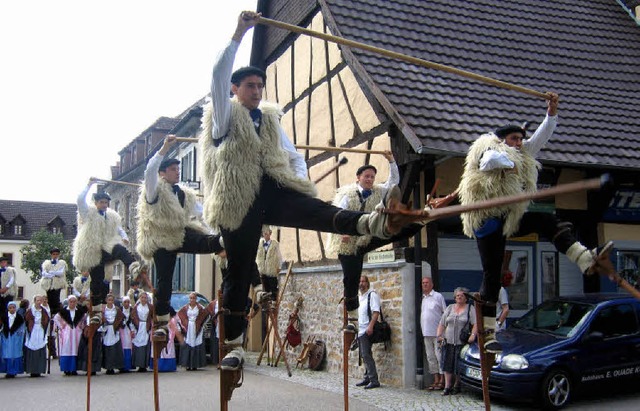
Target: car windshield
{"points": [[561, 318], [180, 300]]}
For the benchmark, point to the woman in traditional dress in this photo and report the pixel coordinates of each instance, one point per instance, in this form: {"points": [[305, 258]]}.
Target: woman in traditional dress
{"points": [[70, 322], [192, 317], [126, 334], [12, 341], [141, 317], [112, 318], [37, 320]]}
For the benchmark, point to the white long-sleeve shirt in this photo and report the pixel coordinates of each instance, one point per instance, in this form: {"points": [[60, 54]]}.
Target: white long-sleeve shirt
{"points": [[492, 159], [220, 92], [151, 183], [83, 210]]}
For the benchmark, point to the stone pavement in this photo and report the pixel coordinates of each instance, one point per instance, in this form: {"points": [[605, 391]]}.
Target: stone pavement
{"points": [[383, 398]]}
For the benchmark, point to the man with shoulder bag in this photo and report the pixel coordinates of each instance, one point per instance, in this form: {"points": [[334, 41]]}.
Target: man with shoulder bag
{"points": [[368, 313]]}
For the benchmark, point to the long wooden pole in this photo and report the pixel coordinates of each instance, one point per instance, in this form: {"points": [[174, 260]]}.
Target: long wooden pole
{"points": [[400, 56], [583, 185], [102, 180], [340, 149], [186, 140]]}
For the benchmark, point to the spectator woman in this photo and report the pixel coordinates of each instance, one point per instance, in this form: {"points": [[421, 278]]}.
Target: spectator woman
{"points": [[142, 317], [454, 319], [112, 319], [37, 319], [192, 318], [126, 334], [12, 341]]}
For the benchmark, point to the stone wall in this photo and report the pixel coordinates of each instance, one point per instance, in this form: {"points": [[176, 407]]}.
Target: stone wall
{"points": [[321, 316]]}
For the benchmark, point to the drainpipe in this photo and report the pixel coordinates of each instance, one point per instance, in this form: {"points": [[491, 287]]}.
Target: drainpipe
{"points": [[417, 260]]}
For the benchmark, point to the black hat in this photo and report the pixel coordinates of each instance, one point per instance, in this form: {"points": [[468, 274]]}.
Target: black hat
{"points": [[504, 131], [54, 250], [366, 167], [101, 196], [3, 258], [168, 162], [241, 73]]}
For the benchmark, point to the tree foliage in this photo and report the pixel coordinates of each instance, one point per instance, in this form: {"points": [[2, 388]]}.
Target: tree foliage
{"points": [[34, 254]]}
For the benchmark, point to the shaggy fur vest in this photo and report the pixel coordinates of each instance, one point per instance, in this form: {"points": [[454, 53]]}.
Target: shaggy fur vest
{"points": [[269, 261], [479, 185], [55, 283], [95, 234], [162, 224], [351, 192], [4, 280], [232, 172], [80, 287]]}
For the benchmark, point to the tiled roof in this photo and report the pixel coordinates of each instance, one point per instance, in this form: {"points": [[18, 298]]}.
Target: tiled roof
{"points": [[37, 215], [588, 52]]}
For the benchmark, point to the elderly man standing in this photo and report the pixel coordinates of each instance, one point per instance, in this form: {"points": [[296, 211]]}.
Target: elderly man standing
{"points": [[433, 306]]}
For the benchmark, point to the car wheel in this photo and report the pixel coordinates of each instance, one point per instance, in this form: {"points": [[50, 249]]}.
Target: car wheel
{"points": [[556, 389]]}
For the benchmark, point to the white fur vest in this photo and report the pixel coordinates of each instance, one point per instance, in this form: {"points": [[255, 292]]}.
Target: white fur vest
{"points": [[4, 280], [269, 261], [351, 192], [232, 172], [95, 233], [55, 283], [162, 224], [479, 185]]}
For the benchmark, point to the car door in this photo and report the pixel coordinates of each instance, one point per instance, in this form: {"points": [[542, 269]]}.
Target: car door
{"points": [[609, 349]]}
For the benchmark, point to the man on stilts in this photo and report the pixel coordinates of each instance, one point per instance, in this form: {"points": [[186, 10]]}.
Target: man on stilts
{"points": [[501, 164], [100, 240], [254, 176], [166, 228], [363, 195]]}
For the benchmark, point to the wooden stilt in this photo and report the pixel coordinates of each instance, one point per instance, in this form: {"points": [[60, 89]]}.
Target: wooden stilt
{"points": [[159, 344], [486, 359], [347, 339], [90, 334], [229, 379]]}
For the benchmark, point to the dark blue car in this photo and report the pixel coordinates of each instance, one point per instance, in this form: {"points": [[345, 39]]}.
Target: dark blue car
{"points": [[565, 344]]}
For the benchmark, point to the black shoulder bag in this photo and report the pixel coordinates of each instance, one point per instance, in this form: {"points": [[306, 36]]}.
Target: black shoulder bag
{"points": [[381, 329]]}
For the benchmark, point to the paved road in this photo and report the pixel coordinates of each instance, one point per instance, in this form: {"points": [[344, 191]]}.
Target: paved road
{"points": [[265, 388]]}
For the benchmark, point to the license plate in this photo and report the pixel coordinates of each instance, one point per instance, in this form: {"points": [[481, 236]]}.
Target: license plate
{"points": [[473, 373]]}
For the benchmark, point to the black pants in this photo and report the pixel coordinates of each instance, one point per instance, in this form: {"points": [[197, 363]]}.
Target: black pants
{"points": [[194, 242], [274, 205], [99, 290], [351, 272], [53, 296], [492, 247], [270, 285]]}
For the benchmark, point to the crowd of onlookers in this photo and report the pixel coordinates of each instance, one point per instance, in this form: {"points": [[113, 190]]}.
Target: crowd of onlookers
{"points": [[33, 334]]}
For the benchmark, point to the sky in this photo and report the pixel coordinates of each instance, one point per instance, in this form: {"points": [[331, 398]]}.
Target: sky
{"points": [[80, 79]]}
